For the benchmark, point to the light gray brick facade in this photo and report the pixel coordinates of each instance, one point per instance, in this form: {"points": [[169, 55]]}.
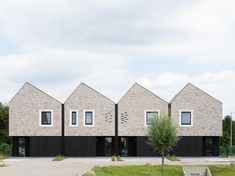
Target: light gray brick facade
{"points": [[206, 112], [24, 113], [86, 98], [25, 106], [132, 107]]}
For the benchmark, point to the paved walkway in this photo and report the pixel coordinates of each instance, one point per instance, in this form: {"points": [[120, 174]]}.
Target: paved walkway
{"points": [[76, 166]]}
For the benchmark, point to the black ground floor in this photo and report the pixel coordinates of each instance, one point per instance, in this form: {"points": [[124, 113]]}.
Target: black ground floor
{"points": [[40, 146]]}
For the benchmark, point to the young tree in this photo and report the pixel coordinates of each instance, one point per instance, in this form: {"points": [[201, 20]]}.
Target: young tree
{"points": [[162, 135], [4, 117]]}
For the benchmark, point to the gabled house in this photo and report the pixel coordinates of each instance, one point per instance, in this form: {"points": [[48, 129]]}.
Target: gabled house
{"points": [[34, 123], [135, 110], [199, 116], [89, 123]]}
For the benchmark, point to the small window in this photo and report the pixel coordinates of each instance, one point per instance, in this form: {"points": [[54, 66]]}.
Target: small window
{"points": [[46, 118], [149, 115], [73, 118], [89, 118], [186, 118]]}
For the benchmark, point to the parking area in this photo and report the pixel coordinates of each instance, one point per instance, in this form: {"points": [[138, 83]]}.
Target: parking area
{"points": [[76, 166]]}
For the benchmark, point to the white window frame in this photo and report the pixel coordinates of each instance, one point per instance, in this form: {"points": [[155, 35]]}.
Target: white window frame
{"points": [[40, 117], [84, 117], [150, 110], [186, 110], [70, 112]]}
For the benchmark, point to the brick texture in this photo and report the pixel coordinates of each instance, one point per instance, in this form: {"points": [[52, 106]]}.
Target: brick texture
{"points": [[131, 110], [84, 98], [24, 113], [207, 112]]}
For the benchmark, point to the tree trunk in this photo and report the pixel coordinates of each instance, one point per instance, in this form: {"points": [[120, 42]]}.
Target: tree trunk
{"points": [[162, 164]]}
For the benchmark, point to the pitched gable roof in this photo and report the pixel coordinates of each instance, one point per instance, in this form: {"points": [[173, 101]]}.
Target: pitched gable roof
{"points": [[136, 84], [34, 87], [190, 84], [88, 87]]}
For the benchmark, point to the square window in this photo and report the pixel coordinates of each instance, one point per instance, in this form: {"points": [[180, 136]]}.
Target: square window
{"points": [[150, 115], [186, 118], [73, 118], [88, 118], [46, 118]]}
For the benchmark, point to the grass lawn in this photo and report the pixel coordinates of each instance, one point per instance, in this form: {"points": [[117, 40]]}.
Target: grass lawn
{"points": [[222, 170], [145, 170]]}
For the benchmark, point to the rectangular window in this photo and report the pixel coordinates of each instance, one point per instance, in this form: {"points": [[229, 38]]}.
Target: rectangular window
{"points": [[74, 118], [46, 118], [186, 118], [88, 117], [149, 116]]}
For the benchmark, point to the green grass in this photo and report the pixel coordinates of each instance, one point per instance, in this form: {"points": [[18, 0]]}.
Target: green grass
{"points": [[222, 170], [144, 170], [58, 158]]}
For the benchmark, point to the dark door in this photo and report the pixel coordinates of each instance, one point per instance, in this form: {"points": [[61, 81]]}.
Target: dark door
{"points": [[123, 146], [21, 148], [100, 146], [132, 146], [104, 146], [127, 146], [208, 146], [108, 143]]}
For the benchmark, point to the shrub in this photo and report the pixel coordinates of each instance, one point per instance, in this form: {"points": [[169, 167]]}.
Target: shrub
{"points": [[2, 164], [59, 158], [119, 158], [5, 149], [172, 158], [114, 158]]}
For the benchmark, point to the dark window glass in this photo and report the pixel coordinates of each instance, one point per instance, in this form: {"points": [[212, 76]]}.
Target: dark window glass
{"points": [[185, 118], [88, 117], [150, 115], [46, 118], [74, 118]]}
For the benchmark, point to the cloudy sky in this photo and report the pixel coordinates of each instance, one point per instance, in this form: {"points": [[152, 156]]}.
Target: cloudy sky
{"points": [[110, 44]]}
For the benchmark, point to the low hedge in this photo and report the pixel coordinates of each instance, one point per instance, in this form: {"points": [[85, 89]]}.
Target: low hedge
{"points": [[5, 149]]}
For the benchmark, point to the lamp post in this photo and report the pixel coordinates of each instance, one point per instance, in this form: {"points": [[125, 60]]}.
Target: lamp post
{"points": [[231, 133]]}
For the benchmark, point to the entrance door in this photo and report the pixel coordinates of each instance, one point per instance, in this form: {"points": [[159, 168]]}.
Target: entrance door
{"points": [[108, 144], [208, 146], [104, 146], [21, 147], [124, 146], [127, 146]]}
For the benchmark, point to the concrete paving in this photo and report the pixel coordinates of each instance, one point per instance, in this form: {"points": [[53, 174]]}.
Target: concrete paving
{"points": [[76, 166]]}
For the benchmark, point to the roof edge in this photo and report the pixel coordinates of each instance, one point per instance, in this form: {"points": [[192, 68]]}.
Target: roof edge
{"points": [[196, 88], [36, 89], [143, 88], [82, 83]]}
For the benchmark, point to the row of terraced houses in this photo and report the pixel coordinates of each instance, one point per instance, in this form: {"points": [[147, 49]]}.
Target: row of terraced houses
{"points": [[89, 124]]}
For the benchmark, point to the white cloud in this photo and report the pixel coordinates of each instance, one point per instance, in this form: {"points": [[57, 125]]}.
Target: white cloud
{"points": [[60, 70], [109, 44]]}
